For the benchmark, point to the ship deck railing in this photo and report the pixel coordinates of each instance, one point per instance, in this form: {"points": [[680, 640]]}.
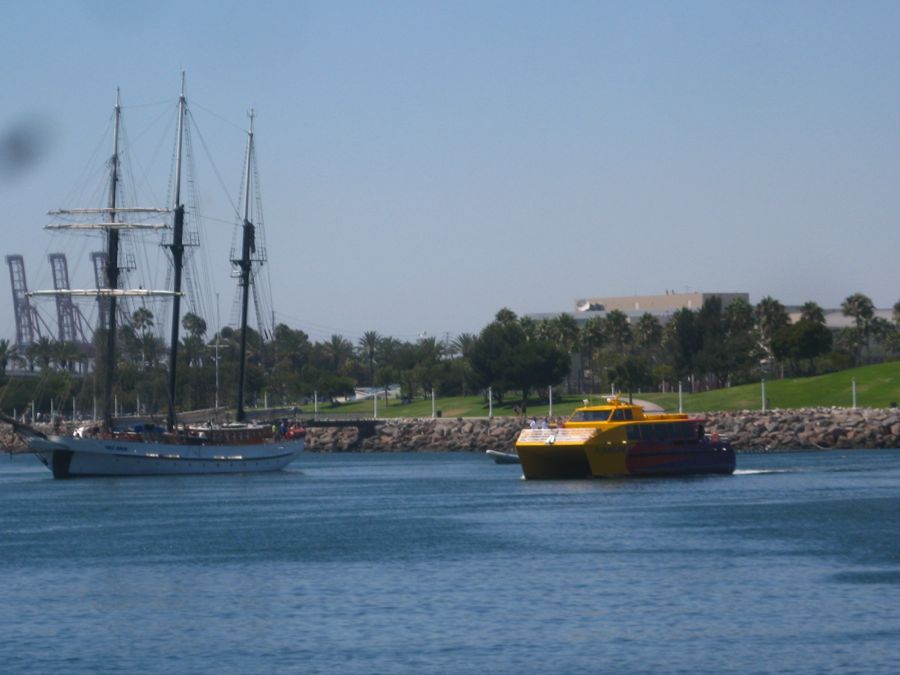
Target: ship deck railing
{"points": [[553, 436]]}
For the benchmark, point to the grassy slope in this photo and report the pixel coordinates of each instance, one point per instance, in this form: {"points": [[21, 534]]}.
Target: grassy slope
{"points": [[876, 386]]}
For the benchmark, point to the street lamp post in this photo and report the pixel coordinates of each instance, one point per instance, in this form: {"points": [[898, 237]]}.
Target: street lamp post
{"points": [[218, 332]]}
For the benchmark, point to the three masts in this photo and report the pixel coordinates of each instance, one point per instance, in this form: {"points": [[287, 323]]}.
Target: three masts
{"points": [[211, 448]]}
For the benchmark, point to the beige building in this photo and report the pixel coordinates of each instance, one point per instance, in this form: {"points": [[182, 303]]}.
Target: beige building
{"points": [[655, 304], [835, 319]]}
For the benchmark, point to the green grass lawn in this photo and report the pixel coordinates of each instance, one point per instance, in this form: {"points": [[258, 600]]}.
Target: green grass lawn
{"points": [[876, 386], [454, 406]]}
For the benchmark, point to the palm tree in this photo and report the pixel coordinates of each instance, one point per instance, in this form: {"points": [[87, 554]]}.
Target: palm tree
{"points": [[20, 358], [431, 349], [340, 350], [545, 330], [812, 312], [4, 355], [617, 329], [194, 350], [861, 309], [293, 348], [66, 355], [738, 316], [567, 335], [771, 316], [567, 332], [386, 353], [463, 343], [368, 344], [193, 324], [592, 333], [529, 327], [142, 321], [152, 347], [593, 337], [741, 342], [505, 316], [648, 332], [41, 352], [429, 353]]}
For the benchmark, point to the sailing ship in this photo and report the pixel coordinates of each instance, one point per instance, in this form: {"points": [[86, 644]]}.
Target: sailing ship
{"points": [[101, 449]]}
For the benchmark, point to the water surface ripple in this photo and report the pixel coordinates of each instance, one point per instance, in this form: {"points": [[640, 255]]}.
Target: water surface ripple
{"points": [[439, 562]]}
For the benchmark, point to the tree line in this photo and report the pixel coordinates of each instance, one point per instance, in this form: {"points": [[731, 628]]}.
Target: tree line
{"points": [[715, 346]]}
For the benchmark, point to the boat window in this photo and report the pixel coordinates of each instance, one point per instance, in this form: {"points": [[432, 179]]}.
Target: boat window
{"points": [[662, 432], [633, 432], [647, 432], [628, 414], [589, 416], [619, 415]]}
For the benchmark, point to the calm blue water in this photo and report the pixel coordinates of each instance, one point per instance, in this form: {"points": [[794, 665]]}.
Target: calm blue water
{"points": [[450, 563]]}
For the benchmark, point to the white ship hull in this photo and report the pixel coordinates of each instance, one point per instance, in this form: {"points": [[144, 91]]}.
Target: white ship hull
{"points": [[70, 457]]}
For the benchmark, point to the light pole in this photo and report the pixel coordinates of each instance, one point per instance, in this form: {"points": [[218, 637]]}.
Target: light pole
{"points": [[218, 332]]}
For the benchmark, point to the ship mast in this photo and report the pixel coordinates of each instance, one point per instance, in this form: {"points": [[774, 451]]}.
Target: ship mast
{"points": [[112, 272], [112, 220], [177, 248], [248, 246]]}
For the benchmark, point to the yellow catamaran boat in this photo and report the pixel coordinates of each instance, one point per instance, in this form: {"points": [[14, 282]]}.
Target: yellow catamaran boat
{"points": [[620, 439]]}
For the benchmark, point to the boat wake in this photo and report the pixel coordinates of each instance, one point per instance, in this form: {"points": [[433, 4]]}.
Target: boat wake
{"points": [[756, 472]]}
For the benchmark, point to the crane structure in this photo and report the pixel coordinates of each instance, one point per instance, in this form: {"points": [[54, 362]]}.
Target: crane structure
{"points": [[70, 321], [28, 323]]}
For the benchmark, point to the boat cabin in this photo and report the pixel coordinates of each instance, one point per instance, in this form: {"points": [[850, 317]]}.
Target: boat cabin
{"points": [[615, 413]]}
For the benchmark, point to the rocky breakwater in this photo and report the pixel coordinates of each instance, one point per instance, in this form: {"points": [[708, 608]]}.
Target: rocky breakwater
{"points": [[808, 428], [748, 431], [461, 434], [9, 441]]}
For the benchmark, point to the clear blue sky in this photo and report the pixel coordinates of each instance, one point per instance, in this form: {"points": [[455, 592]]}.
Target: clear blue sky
{"points": [[424, 164]]}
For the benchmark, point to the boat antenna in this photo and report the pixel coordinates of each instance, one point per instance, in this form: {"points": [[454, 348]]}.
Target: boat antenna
{"points": [[248, 245], [177, 248], [112, 270]]}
